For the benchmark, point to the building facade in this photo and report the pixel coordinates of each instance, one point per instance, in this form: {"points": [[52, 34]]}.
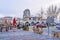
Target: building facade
{"points": [[26, 13]]}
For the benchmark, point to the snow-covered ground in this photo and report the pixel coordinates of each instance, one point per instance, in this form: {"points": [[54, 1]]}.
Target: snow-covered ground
{"points": [[26, 35]]}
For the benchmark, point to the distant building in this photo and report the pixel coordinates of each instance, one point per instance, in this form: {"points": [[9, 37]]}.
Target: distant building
{"points": [[6, 18], [44, 17], [26, 13], [30, 19], [10, 19], [27, 16]]}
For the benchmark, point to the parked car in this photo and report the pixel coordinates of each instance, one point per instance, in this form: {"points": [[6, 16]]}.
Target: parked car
{"points": [[27, 23], [37, 22], [41, 25], [32, 23], [20, 25], [58, 27], [53, 24], [57, 23]]}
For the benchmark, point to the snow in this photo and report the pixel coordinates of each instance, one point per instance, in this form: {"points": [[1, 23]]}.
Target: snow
{"points": [[21, 35]]}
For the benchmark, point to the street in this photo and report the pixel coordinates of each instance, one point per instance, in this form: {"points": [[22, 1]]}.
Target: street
{"points": [[26, 35]]}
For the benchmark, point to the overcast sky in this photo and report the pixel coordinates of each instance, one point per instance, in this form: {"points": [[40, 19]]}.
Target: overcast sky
{"points": [[15, 8]]}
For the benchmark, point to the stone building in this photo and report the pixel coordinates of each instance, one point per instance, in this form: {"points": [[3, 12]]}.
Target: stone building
{"points": [[26, 13]]}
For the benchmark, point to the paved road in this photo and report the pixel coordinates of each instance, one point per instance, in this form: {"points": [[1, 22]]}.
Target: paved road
{"points": [[25, 35]]}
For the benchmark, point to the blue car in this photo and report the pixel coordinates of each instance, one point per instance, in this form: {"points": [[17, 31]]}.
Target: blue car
{"points": [[32, 23], [19, 26]]}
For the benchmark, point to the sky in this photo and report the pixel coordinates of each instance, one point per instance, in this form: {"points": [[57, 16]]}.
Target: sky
{"points": [[15, 8]]}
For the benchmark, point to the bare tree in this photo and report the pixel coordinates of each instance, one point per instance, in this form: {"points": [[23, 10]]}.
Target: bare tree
{"points": [[53, 11]]}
